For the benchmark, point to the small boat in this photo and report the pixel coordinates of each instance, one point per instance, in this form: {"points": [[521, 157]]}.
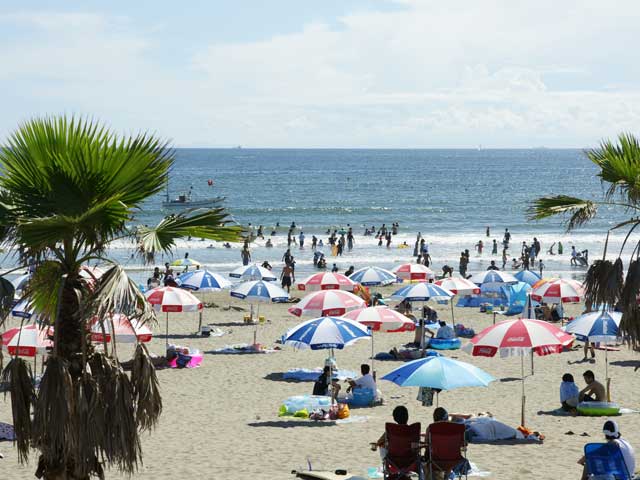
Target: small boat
{"points": [[186, 200]]}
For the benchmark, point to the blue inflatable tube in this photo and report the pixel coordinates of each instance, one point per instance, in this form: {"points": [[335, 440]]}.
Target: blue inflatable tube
{"points": [[445, 343]]}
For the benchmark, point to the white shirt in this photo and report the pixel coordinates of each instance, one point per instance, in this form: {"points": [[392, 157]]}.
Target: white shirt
{"points": [[367, 381], [445, 332], [628, 454], [568, 390]]}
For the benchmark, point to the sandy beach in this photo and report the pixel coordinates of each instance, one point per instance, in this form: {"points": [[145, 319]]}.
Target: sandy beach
{"points": [[221, 420]]}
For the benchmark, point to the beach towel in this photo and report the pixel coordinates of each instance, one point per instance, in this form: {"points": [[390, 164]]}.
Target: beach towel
{"points": [[7, 432], [488, 429], [312, 374], [239, 349]]}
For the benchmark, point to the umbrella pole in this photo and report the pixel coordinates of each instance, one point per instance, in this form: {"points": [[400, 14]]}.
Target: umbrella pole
{"points": [[166, 336], [200, 321], [453, 318], [373, 372], [523, 396], [606, 372]]}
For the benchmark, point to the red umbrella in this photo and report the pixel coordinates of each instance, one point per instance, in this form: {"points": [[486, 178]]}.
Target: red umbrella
{"points": [[519, 337], [327, 281], [27, 341], [459, 286], [126, 330], [327, 303], [558, 290], [172, 299], [414, 272]]}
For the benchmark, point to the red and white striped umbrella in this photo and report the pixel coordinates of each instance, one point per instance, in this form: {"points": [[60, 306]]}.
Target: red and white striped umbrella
{"points": [[327, 303], [173, 299], [126, 330], [518, 337], [414, 272], [558, 290], [459, 286], [327, 281], [27, 341], [381, 319]]}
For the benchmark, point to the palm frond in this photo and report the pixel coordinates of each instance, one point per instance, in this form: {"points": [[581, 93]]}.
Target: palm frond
{"points": [[212, 224], [580, 211], [619, 165], [7, 295], [146, 389], [604, 282], [18, 377]]}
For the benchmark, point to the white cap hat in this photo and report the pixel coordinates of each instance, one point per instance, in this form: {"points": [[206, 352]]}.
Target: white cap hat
{"points": [[610, 429]]}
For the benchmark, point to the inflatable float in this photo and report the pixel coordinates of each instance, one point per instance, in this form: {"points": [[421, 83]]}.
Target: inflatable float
{"points": [[298, 403], [445, 343], [598, 409]]}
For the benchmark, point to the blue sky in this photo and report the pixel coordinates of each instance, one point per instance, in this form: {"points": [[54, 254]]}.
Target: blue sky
{"points": [[397, 73]]}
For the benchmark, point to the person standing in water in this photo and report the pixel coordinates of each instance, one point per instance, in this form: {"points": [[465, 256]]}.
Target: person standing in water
{"points": [[245, 254], [494, 247]]}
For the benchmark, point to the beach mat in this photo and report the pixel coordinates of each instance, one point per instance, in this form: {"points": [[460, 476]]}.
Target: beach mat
{"points": [[239, 349], [312, 374]]}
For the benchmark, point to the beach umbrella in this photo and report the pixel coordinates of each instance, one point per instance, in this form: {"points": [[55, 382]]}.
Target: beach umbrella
{"points": [[326, 333], [422, 292], [253, 272], [186, 262], [527, 276], [28, 341], [440, 373], [327, 303], [380, 319], [558, 290], [519, 337], [20, 282], [172, 299], [414, 272], [23, 309], [373, 277], [260, 291], [126, 330], [599, 326], [493, 277], [203, 281], [459, 286], [327, 281], [91, 272]]}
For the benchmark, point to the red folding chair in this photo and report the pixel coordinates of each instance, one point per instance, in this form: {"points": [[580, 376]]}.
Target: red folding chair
{"points": [[402, 443], [445, 447]]}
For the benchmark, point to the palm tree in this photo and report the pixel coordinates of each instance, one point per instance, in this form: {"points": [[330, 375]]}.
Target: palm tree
{"points": [[619, 165], [68, 189]]}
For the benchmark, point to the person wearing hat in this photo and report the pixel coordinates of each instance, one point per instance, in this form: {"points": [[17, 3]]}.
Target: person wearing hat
{"points": [[612, 435], [445, 331]]}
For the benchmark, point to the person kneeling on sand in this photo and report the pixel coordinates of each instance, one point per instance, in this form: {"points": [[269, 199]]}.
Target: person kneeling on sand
{"points": [[612, 435], [594, 391]]}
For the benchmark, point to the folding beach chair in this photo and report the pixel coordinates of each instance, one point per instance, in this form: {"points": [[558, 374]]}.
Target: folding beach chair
{"points": [[445, 446], [605, 460], [403, 451]]}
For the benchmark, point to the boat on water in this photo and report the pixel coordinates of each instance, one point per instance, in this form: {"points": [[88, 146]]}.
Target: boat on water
{"points": [[187, 200]]}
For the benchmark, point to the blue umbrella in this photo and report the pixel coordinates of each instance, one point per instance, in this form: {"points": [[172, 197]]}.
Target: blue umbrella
{"points": [[260, 291], [596, 326], [527, 276], [493, 276], [253, 272], [373, 276], [421, 292], [203, 281], [442, 373], [326, 332], [23, 309]]}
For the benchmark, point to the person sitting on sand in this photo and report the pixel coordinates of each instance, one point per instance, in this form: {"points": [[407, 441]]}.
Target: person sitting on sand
{"points": [[326, 383], [594, 391], [612, 435], [445, 331], [568, 393], [429, 314], [401, 417], [366, 380]]}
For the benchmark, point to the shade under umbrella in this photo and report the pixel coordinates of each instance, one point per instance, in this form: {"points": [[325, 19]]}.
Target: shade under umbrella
{"points": [[373, 277], [326, 333], [253, 272], [519, 337], [203, 281], [327, 281], [414, 272], [440, 372], [327, 303]]}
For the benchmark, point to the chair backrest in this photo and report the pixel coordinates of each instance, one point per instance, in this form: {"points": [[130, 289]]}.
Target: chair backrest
{"points": [[606, 459], [446, 440], [402, 443]]}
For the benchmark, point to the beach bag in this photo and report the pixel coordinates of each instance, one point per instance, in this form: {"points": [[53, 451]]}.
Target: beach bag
{"points": [[343, 410]]}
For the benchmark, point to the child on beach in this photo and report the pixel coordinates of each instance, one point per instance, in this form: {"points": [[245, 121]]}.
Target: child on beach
{"points": [[568, 393]]}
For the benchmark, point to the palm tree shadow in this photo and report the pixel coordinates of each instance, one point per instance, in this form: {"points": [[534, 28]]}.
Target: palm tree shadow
{"points": [[279, 377], [292, 423], [627, 363]]}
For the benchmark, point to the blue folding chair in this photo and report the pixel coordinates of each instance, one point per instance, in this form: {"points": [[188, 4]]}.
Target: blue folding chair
{"points": [[606, 460]]}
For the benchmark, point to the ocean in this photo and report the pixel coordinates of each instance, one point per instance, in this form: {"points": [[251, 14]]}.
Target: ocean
{"points": [[450, 196]]}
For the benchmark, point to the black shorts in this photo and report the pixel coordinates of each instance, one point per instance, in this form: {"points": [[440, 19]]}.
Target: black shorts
{"points": [[286, 281]]}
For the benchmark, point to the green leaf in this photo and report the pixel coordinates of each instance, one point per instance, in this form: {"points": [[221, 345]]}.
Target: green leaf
{"points": [[580, 211]]}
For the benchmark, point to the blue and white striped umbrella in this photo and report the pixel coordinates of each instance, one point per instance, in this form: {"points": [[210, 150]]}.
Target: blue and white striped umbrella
{"points": [[421, 292], [253, 272], [493, 276], [527, 276], [596, 326], [203, 281], [23, 309], [438, 372], [20, 282], [326, 332], [373, 276], [260, 291]]}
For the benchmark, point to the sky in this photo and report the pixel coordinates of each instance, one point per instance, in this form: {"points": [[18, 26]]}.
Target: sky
{"points": [[328, 73]]}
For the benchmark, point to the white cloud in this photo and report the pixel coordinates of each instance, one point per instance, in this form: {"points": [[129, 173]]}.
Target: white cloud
{"points": [[457, 73]]}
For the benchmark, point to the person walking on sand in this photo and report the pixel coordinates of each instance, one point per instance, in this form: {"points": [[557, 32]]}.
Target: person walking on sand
{"points": [[287, 277]]}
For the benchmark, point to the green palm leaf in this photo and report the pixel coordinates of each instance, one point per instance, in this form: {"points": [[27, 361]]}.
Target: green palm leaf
{"points": [[580, 211], [619, 167]]}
